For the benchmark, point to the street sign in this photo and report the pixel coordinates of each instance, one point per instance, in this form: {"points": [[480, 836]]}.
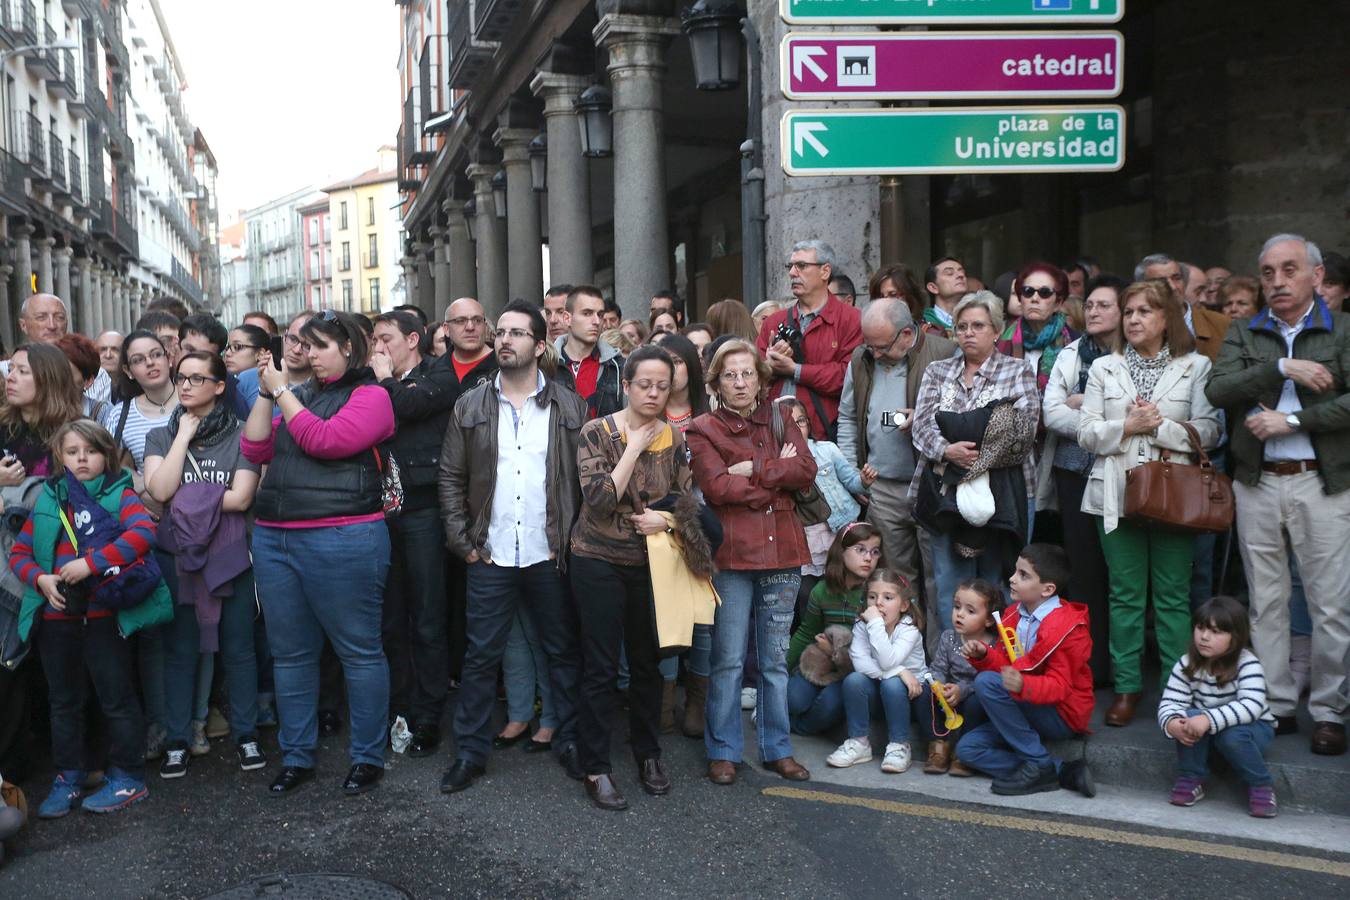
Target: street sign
{"points": [[950, 12], [953, 141], [936, 66]]}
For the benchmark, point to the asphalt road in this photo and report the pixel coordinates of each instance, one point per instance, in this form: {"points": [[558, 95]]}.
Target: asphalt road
{"points": [[527, 831]]}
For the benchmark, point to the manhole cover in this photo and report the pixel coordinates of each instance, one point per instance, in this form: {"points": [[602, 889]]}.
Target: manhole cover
{"points": [[314, 887]]}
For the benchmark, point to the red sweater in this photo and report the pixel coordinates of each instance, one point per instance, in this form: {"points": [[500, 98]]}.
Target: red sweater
{"points": [[1056, 670], [828, 345]]}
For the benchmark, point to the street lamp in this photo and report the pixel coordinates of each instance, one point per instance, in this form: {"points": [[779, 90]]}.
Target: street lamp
{"points": [[499, 193], [714, 30], [470, 213], [597, 129], [538, 148]]}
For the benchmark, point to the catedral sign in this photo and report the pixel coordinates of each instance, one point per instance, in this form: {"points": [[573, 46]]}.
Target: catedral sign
{"points": [[949, 141], [952, 12], [920, 65]]}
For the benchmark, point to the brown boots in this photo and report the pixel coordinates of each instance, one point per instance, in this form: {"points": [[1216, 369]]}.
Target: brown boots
{"points": [[939, 758], [668, 707], [1122, 710], [695, 699]]}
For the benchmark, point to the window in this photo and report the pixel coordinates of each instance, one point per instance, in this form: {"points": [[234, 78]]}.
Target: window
{"points": [[342, 216], [316, 297], [346, 293], [314, 271], [314, 230], [374, 293], [370, 210], [373, 251], [346, 255]]}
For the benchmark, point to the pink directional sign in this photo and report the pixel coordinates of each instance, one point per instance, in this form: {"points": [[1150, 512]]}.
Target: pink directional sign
{"points": [[966, 65]]}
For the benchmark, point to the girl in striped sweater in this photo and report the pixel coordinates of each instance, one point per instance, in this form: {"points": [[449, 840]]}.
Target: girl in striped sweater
{"points": [[1216, 695]]}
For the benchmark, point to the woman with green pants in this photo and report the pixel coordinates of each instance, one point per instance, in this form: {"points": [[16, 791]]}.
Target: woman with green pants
{"points": [[1136, 402]]}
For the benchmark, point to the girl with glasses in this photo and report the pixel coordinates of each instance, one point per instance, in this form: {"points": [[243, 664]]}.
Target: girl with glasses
{"points": [[245, 343], [193, 465], [147, 383]]}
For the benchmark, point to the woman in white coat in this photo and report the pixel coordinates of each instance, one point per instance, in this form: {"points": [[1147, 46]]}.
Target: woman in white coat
{"points": [[1065, 466], [1133, 409]]}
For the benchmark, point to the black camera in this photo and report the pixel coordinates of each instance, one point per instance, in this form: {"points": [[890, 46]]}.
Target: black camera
{"points": [[76, 597], [792, 336]]}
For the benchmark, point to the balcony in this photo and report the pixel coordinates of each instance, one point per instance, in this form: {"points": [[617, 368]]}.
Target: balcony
{"points": [[45, 61], [29, 141], [469, 55], [185, 282], [344, 264], [64, 81], [75, 173], [431, 70], [407, 180], [13, 183], [418, 151], [371, 260], [493, 19], [56, 163]]}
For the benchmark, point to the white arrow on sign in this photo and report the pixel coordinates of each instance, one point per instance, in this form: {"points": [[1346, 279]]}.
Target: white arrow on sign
{"points": [[805, 133], [804, 56]]}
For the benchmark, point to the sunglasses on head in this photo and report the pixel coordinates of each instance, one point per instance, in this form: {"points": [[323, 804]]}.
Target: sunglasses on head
{"points": [[1045, 293]]}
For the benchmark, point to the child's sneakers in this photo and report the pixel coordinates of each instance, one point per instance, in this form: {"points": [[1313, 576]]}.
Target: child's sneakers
{"points": [[65, 791], [1261, 802], [896, 760], [121, 791], [1188, 791], [850, 753]]}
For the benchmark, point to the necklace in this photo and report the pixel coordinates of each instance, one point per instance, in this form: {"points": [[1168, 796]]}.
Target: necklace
{"points": [[162, 407]]}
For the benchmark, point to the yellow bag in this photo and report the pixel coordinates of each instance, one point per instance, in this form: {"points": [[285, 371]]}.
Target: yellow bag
{"points": [[680, 600]]}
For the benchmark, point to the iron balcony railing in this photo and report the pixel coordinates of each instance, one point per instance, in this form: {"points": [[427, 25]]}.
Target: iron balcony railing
{"points": [[76, 175], [57, 161]]}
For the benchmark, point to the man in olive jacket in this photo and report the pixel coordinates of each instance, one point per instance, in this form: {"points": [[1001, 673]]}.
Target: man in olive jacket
{"points": [[1281, 377], [509, 494]]}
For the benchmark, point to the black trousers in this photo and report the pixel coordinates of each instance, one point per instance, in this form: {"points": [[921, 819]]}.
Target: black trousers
{"points": [[1089, 584], [414, 618], [614, 607], [69, 649]]}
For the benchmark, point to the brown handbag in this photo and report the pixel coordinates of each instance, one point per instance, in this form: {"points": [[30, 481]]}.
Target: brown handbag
{"points": [[1179, 497]]}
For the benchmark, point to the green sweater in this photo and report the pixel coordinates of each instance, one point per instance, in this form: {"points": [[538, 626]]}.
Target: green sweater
{"points": [[823, 609]]}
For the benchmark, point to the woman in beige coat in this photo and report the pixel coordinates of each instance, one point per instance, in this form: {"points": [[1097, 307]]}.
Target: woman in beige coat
{"points": [[1133, 409]]}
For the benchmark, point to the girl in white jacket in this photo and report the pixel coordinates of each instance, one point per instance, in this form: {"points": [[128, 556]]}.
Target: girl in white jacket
{"points": [[887, 654]]}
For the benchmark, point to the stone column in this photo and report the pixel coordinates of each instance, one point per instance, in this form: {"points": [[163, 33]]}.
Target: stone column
{"points": [[490, 238], [637, 50], [571, 259], [61, 275], [84, 316], [23, 261], [106, 301], [525, 248], [459, 252], [440, 272], [45, 285], [424, 297], [7, 330], [409, 266], [119, 292]]}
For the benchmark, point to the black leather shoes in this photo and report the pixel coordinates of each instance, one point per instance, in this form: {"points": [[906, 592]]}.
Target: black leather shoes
{"points": [[361, 778], [533, 746], [329, 723], [460, 775], [568, 760], [289, 779], [501, 743], [425, 740], [1028, 778], [1074, 776], [605, 794], [654, 779]]}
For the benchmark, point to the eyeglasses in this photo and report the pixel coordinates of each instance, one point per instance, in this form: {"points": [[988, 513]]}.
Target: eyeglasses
{"points": [[878, 351], [292, 340], [515, 334], [152, 356], [241, 348], [733, 377], [865, 551], [1098, 304], [1044, 293], [194, 380], [972, 327], [800, 265], [461, 321], [646, 385]]}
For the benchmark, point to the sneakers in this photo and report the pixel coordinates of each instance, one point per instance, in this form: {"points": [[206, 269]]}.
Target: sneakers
{"points": [[749, 697], [175, 763], [155, 736], [250, 755], [217, 726], [1187, 791], [896, 760], [121, 791], [850, 753], [1027, 778], [200, 744], [65, 791], [1261, 802]]}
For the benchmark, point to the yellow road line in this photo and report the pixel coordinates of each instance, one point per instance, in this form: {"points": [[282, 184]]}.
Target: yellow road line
{"points": [[1070, 830]]}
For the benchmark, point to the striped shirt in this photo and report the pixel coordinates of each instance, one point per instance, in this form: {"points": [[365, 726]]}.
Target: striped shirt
{"points": [[137, 427], [1241, 701]]}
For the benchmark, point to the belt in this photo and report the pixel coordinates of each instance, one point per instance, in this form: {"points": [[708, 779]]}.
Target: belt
{"points": [[1294, 467]]}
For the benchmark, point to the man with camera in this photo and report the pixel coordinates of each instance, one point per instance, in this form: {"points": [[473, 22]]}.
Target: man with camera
{"points": [[808, 345]]}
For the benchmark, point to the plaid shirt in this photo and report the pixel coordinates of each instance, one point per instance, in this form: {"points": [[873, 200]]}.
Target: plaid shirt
{"points": [[944, 390]]}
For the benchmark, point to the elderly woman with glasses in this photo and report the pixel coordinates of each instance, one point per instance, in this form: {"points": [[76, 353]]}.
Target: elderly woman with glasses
{"points": [[974, 422], [748, 479], [320, 545]]}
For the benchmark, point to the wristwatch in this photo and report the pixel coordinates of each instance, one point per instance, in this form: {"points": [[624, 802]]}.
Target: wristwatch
{"points": [[276, 394], [1292, 421]]}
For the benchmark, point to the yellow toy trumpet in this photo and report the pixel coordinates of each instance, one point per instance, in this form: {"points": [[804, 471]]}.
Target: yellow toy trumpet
{"points": [[954, 719], [1008, 635]]}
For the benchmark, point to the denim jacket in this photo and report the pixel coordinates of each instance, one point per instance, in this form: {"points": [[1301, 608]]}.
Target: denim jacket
{"points": [[838, 480]]}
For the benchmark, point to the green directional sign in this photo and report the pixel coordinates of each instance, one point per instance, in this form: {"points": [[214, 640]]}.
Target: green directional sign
{"points": [[953, 141], [950, 12]]}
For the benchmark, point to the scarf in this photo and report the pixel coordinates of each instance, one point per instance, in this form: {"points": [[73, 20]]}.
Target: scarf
{"points": [[940, 321], [1052, 338], [1146, 372], [1088, 353], [217, 425]]}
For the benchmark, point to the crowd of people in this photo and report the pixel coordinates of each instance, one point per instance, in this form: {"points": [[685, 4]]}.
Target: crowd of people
{"points": [[909, 507]]}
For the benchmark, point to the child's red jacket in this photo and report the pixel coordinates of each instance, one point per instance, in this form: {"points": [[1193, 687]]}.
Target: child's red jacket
{"points": [[1056, 670]]}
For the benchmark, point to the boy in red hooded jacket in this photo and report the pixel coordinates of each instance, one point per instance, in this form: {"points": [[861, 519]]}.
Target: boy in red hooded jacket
{"points": [[1045, 693]]}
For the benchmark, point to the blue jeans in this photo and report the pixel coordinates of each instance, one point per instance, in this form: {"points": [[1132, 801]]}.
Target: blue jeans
{"points": [[1244, 747], [951, 568], [185, 664], [773, 596], [1014, 733], [317, 583], [525, 672], [866, 697], [811, 709]]}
